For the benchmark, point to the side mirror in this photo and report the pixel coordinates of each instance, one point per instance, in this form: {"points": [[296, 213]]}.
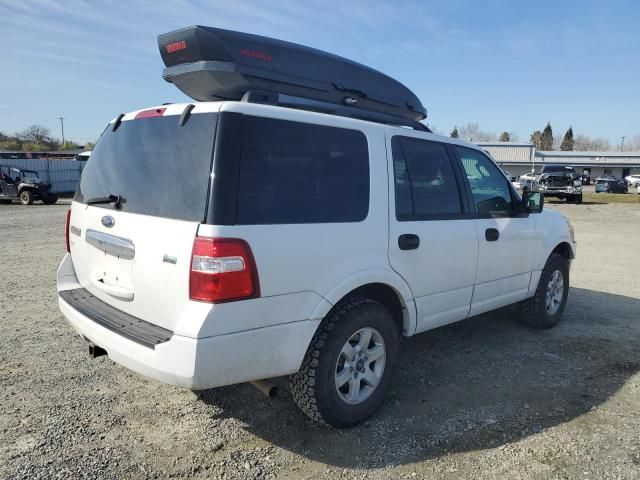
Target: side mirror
{"points": [[532, 202]]}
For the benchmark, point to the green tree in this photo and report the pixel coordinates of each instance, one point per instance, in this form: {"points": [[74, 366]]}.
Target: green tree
{"points": [[11, 144], [536, 139], [89, 146], [454, 133], [70, 146], [546, 140], [505, 137], [567, 142]]}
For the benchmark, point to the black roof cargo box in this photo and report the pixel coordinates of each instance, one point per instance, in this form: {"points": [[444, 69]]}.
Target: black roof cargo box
{"points": [[214, 64]]}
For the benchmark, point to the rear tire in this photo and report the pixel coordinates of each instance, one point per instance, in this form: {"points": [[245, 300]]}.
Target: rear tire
{"points": [[26, 197], [547, 305], [333, 389], [578, 199]]}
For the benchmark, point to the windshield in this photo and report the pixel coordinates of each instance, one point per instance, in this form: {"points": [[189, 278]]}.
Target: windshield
{"points": [[29, 176], [157, 167]]}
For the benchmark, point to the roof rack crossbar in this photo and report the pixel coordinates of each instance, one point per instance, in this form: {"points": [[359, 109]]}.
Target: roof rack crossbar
{"points": [[301, 103]]}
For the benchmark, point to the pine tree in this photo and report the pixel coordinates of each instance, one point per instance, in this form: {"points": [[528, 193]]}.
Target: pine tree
{"points": [[567, 141], [536, 139], [546, 140], [454, 133], [505, 137]]}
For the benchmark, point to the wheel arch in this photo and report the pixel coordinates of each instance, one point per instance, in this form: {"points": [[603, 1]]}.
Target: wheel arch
{"points": [[564, 248], [385, 287]]}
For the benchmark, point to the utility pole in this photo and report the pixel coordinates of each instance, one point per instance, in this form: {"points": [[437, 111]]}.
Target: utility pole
{"points": [[62, 126], [622, 144]]}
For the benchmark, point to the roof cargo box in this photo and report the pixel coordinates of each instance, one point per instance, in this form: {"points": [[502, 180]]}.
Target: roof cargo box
{"points": [[214, 64]]}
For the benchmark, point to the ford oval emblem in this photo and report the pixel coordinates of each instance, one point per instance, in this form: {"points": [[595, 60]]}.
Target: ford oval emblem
{"points": [[108, 221]]}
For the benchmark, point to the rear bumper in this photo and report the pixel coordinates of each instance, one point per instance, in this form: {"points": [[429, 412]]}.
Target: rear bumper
{"points": [[197, 363]]}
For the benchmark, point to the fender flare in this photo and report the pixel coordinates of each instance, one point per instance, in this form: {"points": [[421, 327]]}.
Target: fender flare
{"points": [[365, 277]]}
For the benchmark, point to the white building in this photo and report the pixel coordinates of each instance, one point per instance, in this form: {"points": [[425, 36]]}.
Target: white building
{"points": [[519, 158]]}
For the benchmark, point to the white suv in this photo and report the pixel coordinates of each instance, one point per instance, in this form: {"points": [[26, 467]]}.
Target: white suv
{"points": [[258, 241], [220, 242], [633, 180]]}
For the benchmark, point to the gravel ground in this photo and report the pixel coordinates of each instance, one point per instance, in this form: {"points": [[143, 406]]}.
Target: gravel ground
{"points": [[484, 398]]}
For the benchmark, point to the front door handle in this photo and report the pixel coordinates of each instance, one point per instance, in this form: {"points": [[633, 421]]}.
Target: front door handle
{"points": [[491, 234], [408, 241]]}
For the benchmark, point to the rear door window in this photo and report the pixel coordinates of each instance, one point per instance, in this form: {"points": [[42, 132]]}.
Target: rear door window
{"points": [[425, 183], [159, 168], [293, 172]]}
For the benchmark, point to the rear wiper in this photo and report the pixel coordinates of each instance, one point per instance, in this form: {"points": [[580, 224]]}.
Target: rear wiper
{"points": [[117, 201]]}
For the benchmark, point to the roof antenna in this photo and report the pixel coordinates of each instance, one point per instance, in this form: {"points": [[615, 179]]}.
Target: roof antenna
{"points": [[186, 113], [117, 123]]}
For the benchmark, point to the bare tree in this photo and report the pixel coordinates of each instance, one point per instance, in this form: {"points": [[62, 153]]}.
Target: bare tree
{"points": [[634, 143], [594, 144], [473, 133], [36, 134]]}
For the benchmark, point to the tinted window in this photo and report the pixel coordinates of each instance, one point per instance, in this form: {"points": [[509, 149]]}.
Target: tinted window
{"points": [[489, 187], [294, 172], [158, 168], [425, 184]]}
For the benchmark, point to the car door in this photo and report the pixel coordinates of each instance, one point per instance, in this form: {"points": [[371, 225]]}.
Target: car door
{"points": [[433, 243], [506, 237]]}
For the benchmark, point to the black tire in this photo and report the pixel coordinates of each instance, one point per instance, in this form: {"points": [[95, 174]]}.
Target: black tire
{"points": [[579, 199], [50, 199], [26, 197], [314, 388], [533, 311]]}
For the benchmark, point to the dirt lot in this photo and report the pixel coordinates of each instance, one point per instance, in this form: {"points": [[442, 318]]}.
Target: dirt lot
{"points": [[484, 398]]}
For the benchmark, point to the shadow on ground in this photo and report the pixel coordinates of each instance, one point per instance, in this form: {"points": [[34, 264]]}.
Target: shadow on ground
{"points": [[473, 385]]}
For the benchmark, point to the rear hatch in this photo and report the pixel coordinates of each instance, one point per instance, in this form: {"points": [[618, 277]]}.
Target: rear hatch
{"points": [[137, 208]]}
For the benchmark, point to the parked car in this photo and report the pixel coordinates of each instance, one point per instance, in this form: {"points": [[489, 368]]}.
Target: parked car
{"points": [[560, 181], [277, 254], [633, 180], [528, 181], [611, 185], [25, 186]]}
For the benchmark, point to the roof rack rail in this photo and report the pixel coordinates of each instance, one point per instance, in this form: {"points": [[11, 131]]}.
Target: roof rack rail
{"points": [[301, 103], [209, 63]]}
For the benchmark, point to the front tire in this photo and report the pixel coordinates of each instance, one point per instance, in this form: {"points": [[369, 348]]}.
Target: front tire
{"points": [[26, 197], [347, 370], [547, 305]]}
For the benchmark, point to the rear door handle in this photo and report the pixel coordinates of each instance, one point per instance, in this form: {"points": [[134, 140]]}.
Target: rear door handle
{"points": [[408, 241], [491, 234]]}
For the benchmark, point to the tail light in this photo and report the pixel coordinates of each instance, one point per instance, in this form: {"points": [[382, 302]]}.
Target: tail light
{"points": [[66, 230], [222, 270]]}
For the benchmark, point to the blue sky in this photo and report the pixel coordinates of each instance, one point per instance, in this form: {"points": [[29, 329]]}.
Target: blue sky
{"points": [[507, 65]]}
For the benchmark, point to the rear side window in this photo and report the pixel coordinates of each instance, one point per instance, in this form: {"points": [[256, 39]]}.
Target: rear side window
{"points": [[425, 183], [294, 172], [158, 167]]}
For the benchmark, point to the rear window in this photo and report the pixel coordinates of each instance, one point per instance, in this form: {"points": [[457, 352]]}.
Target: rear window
{"points": [[294, 172], [158, 167]]}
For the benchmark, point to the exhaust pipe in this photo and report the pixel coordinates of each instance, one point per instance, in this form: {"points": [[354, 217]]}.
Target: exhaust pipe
{"points": [[266, 387], [95, 351]]}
